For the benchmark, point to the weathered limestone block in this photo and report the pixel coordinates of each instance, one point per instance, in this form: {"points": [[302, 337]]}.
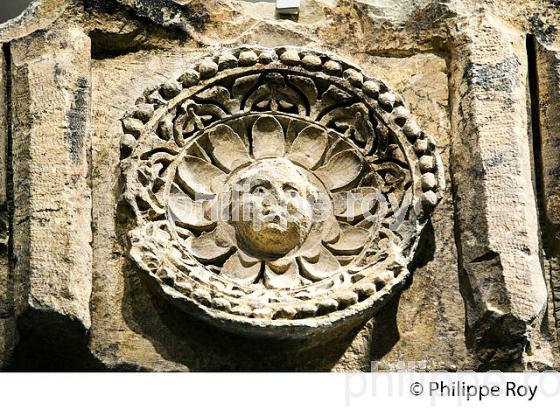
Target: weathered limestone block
{"points": [[548, 65], [39, 15], [548, 72], [497, 231], [51, 144]]}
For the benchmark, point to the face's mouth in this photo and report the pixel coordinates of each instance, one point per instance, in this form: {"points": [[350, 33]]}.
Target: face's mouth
{"points": [[276, 227], [274, 222]]}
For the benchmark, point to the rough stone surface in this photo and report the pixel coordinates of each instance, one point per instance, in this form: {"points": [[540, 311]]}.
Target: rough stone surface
{"points": [[548, 164], [7, 323], [425, 328], [492, 166], [475, 83], [50, 153]]}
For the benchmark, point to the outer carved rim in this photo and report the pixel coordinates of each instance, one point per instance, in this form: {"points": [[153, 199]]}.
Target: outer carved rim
{"points": [[346, 305]]}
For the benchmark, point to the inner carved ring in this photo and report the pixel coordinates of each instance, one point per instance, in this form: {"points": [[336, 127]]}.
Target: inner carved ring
{"points": [[284, 219]]}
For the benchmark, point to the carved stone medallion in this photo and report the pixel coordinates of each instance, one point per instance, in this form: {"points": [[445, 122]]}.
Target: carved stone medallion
{"points": [[277, 192]]}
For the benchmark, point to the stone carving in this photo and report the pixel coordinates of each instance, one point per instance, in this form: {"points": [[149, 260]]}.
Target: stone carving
{"points": [[277, 191]]}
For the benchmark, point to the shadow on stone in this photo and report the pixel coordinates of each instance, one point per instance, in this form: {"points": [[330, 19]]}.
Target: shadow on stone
{"points": [[385, 330], [426, 249], [179, 338], [51, 342]]}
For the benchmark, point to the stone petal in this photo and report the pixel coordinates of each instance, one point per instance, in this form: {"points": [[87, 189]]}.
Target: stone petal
{"points": [[355, 204], [198, 175], [190, 213], [351, 241], [330, 230], [242, 269], [320, 267], [282, 274], [309, 146], [228, 149], [341, 170], [208, 248], [268, 138]]}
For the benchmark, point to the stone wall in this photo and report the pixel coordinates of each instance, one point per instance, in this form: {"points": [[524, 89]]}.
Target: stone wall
{"points": [[462, 97]]}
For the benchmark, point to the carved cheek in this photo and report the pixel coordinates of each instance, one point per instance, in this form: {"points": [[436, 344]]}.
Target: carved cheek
{"points": [[298, 208]]}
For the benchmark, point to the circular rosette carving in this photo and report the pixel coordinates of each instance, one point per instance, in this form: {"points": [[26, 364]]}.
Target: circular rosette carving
{"points": [[279, 194]]}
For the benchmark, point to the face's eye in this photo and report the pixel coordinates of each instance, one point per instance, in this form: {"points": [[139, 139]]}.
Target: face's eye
{"points": [[258, 190], [291, 193]]}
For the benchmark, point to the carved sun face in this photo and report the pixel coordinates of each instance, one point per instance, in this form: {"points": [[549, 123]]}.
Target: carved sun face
{"points": [[272, 207]]}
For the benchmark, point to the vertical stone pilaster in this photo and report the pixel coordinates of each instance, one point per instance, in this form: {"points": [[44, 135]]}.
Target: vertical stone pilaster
{"points": [[497, 227], [51, 144], [548, 71]]}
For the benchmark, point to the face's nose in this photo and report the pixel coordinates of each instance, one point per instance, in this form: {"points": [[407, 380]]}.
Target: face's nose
{"points": [[267, 202]]}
